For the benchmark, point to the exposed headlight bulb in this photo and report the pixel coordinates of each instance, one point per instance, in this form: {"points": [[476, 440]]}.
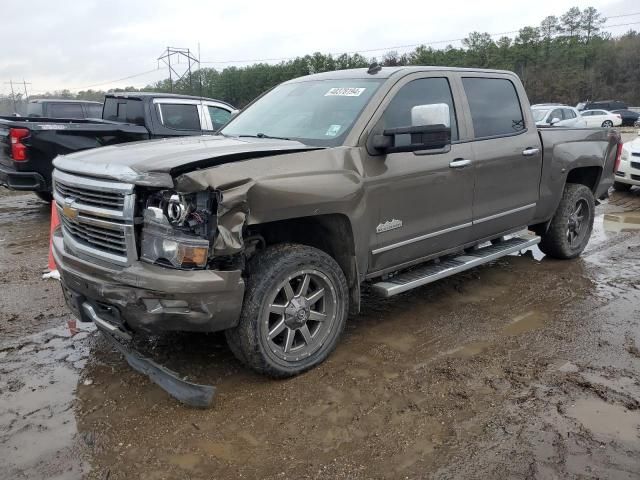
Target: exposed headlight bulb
{"points": [[176, 210]]}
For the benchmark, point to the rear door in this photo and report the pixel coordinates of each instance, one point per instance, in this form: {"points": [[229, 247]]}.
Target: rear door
{"points": [[507, 154]]}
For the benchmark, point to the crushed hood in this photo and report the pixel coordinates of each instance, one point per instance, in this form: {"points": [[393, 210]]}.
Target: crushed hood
{"points": [[155, 162]]}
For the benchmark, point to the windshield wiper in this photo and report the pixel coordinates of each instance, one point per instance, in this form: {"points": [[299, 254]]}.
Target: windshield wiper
{"points": [[263, 135]]}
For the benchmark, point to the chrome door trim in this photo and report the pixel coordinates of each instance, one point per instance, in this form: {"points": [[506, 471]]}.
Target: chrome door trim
{"points": [[502, 214], [420, 238], [392, 246]]}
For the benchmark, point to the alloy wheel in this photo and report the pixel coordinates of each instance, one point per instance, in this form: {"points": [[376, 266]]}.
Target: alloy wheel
{"points": [[300, 315]]}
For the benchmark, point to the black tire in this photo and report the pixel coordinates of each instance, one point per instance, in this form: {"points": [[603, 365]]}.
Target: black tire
{"points": [[607, 124], [556, 240], [45, 196], [621, 187], [267, 273]]}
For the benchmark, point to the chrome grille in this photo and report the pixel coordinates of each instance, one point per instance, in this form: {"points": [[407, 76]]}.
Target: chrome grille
{"points": [[89, 197], [96, 217]]}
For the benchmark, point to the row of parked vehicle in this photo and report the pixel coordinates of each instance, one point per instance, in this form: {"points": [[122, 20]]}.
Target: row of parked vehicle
{"points": [[590, 115], [29, 144]]}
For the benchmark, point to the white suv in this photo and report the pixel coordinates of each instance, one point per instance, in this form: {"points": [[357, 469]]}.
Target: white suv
{"points": [[557, 116], [628, 172]]}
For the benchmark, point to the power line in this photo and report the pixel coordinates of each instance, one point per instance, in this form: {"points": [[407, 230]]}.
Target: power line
{"points": [[351, 52], [394, 47]]}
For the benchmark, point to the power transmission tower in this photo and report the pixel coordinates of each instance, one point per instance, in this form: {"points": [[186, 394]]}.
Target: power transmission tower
{"points": [[13, 93], [171, 57]]}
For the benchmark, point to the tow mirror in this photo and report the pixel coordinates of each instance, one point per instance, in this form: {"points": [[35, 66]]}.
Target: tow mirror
{"points": [[430, 129]]}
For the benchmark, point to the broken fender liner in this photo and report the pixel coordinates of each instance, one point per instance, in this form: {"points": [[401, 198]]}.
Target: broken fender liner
{"points": [[192, 394]]}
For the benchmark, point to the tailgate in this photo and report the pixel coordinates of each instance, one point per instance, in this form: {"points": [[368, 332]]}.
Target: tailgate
{"points": [[5, 146]]}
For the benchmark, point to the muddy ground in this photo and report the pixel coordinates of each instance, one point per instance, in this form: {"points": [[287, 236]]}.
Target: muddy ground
{"points": [[528, 368]]}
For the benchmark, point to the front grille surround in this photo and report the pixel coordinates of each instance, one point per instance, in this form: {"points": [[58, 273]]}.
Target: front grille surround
{"points": [[97, 217]]}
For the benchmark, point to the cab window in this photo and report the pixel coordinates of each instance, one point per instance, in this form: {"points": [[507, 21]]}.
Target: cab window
{"points": [[495, 106], [180, 116], [423, 91], [219, 116]]}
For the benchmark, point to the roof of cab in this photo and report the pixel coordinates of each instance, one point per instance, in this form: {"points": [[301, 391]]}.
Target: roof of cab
{"points": [[61, 100], [142, 95], [387, 72]]}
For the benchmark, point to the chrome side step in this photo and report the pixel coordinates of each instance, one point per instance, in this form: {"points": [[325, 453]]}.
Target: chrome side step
{"points": [[450, 265]]}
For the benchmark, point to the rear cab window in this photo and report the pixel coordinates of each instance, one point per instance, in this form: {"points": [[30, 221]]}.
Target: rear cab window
{"points": [[66, 110], [495, 107]]}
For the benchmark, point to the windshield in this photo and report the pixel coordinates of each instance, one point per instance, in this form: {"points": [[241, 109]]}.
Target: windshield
{"points": [[317, 112], [539, 113]]}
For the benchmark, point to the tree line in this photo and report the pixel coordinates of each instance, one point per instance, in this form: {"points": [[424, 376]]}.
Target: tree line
{"points": [[565, 59]]}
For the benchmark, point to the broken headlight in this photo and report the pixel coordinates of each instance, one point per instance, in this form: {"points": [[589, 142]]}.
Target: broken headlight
{"points": [[177, 229]]}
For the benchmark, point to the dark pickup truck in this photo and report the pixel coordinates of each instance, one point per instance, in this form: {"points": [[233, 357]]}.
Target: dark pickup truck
{"points": [[29, 145], [391, 178]]}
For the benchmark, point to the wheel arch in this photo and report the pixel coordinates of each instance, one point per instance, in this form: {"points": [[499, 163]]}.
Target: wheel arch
{"points": [[331, 233]]}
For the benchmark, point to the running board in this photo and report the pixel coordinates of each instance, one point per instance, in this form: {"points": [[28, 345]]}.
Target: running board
{"points": [[450, 265]]}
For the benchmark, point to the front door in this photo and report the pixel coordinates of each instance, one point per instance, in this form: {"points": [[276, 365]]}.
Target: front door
{"points": [[424, 198]]}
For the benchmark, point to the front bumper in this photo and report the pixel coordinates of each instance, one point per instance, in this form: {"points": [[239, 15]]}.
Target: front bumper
{"points": [[15, 180], [629, 171], [148, 298]]}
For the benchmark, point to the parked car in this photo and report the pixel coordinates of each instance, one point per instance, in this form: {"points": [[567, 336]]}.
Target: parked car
{"points": [[548, 105], [50, 108], [629, 117], [608, 105], [28, 145], [601, 118], [389, 177], [628, 170], [562, 116]]}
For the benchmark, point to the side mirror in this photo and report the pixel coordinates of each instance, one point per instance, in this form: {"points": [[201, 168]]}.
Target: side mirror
{"points": [[554, 120], [430, 129], [234, 113]]}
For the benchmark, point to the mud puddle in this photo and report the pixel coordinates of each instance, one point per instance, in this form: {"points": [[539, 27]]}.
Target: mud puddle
{"points": [[38, 429]]}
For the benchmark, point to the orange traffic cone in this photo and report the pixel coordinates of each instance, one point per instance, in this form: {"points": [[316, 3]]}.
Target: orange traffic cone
{"points": [[55, 221]]}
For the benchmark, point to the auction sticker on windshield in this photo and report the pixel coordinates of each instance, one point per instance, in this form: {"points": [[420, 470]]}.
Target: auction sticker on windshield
{"points": [[345, 92]]}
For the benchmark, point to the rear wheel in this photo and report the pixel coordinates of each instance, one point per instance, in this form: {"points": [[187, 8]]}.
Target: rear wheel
{"points": [[571, 225], [607, 124], [621, 187], [44, 196], [295, 308]]}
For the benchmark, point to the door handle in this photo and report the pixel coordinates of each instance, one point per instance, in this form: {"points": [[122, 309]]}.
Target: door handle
{"points": [[459, 163], [530, 152]]}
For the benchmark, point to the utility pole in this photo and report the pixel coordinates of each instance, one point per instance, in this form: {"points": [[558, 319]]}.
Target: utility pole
{"points": [[177, 53], [13, 95], [26, 95]]}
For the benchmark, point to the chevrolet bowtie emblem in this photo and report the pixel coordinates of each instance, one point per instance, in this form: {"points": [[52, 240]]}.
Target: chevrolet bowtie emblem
{"points": [[68, 211]]}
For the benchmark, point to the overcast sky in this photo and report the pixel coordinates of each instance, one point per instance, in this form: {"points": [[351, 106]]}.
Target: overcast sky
{"points": [[77, 44]]}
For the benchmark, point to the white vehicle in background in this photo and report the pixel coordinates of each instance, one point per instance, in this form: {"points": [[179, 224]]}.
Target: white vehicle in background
{"points": [[601, 118], [628, 172], [549, 115]]}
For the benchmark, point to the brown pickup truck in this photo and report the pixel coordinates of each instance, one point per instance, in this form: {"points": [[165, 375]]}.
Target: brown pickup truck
{"points": [[391, 177]]}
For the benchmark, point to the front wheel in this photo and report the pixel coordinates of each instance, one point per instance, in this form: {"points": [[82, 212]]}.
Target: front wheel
{"points": [[295, 308], [571, 225], [607, 124]]}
